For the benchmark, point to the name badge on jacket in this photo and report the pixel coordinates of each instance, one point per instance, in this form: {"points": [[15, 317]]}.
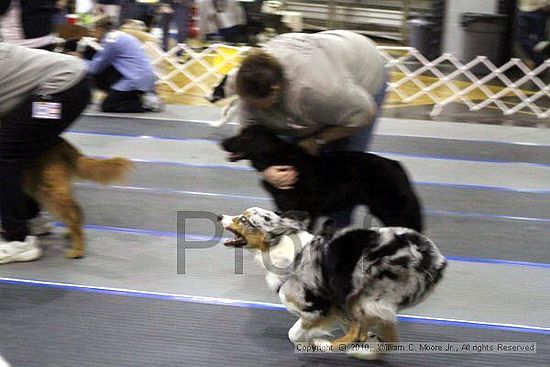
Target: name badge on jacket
{"points": [[46, 110]]}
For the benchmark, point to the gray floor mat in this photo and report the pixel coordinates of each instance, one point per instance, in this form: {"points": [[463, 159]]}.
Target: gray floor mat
{"points": [[50, 327], [494, 293], [247, 183], [456, 236], [460, 149]]}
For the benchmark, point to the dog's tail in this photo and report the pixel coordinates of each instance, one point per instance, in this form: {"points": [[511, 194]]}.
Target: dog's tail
{"points": [[104, 171]]}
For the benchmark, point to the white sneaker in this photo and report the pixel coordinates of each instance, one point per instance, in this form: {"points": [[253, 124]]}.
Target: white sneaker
{"points": [[152, 102], [40, 225], [541, 46], [15, 251], [3, 362]]}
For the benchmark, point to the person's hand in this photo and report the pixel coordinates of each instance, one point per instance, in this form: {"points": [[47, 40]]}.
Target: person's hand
{"points": [[75, 53], [282, 177], [310, 145]]}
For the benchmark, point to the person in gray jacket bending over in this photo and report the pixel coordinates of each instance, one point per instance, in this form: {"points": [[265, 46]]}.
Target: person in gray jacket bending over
{"points": [[323, 90], [41, 94]]}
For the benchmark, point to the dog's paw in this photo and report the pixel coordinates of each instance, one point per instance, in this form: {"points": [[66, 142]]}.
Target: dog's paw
{"points": [[323, 345], [74, 254], [218, 123], [365, 355], [372, 337], [296, 333]]}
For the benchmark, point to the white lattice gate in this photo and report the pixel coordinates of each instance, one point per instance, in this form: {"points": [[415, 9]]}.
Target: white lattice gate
{"points": [[414, 78]]}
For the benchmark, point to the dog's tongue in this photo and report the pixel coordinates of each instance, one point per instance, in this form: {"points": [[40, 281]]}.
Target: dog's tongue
{"points": [[235, 242]]}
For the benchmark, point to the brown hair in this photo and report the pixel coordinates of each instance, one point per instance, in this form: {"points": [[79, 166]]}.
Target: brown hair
{"points": [[105, 22], [257, 74]]}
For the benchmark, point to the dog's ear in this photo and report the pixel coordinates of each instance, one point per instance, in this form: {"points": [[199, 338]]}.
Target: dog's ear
{"points": [[328, 229], [300, 216], [274, 235]]}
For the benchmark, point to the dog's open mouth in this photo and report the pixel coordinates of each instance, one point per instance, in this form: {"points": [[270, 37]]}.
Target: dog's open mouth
{"points": [[237, 241], [234, 157]]}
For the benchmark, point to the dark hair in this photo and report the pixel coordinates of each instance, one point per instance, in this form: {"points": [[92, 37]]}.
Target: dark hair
{"points": [[257, 74]]}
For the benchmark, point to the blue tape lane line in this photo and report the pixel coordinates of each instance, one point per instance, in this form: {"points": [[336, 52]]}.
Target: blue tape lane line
{"points": [[135, 136], [192, 165], [450, 158], [194, 237], [208, 122], [481, 187], [420, 183], [180, 192], [498, 262], [260, 305], [447, 213], [385, 153], [266, 199], [389, 135]]}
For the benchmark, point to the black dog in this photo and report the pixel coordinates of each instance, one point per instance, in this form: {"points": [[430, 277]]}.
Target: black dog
{"points": [[333, 181], [218, 92]]}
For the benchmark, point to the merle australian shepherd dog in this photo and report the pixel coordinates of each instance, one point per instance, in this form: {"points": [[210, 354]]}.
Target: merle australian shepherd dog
{"points": [[332, 181], [350, 280]]}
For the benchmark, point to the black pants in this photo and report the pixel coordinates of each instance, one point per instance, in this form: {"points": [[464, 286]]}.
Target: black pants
{"points": [[23, 138], [117, 101]]}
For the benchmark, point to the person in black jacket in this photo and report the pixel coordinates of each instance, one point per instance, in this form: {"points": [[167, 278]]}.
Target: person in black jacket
{"points": [[33, 17]]}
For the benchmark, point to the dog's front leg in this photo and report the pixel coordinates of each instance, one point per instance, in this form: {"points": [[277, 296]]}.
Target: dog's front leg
{"points": [[306, 329]]}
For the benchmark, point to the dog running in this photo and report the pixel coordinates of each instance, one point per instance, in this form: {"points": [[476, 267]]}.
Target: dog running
{"points": [[352, 280], [332, 181], [47, 179]]}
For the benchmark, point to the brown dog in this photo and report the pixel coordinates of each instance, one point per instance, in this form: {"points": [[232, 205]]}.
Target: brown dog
{"points": [[48, 180]]}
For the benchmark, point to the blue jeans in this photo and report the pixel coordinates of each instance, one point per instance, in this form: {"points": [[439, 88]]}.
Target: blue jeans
{"points": [[360, 142], [532, 30]]}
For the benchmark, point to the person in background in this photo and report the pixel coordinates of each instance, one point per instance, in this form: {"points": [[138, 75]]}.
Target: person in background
{"points": [[60, 12], [332, 106], [107, 7], [123, 70], [531, 19], [28, 23], [174, 11], [224, 18], [144, 10], [41, 94]]}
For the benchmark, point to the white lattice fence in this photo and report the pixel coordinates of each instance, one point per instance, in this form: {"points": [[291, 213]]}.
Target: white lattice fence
{"points": [[414, 78], [194, 72], [477, 92]]}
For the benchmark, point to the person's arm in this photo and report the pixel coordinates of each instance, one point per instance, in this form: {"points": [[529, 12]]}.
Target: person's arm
{"points": [[102, 59], [313, 144]]}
